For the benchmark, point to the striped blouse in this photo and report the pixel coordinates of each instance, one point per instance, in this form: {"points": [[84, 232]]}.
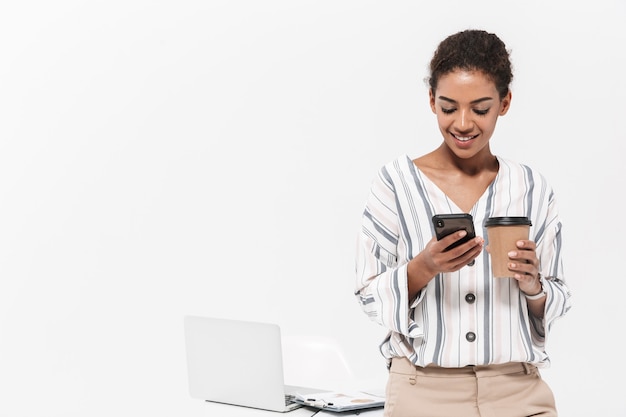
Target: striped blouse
{"points": [[465, 317]]}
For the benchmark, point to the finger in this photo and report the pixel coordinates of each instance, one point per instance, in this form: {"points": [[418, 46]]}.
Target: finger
{"points": [[452, 238], [523, 270], [467, 256], [526, 244], [523, 256]]}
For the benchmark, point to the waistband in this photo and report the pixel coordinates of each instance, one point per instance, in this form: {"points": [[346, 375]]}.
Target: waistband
{"points": [[404, 366]]}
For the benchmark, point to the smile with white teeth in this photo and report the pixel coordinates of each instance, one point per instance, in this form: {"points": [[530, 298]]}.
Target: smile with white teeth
{"points": [[464, 138]]}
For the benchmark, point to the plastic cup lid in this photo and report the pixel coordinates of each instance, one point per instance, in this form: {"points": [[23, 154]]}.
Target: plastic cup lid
{"points": [[508, 221]]}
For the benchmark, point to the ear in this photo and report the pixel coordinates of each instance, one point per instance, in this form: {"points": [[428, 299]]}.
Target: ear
{"points": [[505, 103], [431, 98]]}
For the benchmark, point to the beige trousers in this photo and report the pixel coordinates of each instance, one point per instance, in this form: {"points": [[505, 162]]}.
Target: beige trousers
{"points": [[507, 390]]}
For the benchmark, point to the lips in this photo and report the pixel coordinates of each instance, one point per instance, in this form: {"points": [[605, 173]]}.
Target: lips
{"points": [[464, 138]]}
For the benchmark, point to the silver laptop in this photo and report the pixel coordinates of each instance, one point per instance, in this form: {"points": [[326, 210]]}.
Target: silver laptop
{"points": [[239, 363]]}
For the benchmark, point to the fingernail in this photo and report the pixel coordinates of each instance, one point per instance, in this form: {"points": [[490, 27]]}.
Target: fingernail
{"points": [[512, 253]]}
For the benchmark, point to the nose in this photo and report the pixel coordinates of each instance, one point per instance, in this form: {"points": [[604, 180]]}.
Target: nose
{"points": [[464, 122]]}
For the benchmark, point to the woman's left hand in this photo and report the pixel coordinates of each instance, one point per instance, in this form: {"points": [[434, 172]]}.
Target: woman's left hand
{"points": [[525, 265]]}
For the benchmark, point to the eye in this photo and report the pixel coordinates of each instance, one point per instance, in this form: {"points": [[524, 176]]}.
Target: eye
{"points": [[447, 111], [481, 112]]}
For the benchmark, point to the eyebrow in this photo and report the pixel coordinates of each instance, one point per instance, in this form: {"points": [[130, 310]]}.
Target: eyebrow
{"points": [[479, 100]]}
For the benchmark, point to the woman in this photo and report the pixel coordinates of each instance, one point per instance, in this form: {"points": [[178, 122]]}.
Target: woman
{"points": [[461, 342]]}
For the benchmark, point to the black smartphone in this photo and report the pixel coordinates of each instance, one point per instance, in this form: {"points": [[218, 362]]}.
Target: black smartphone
{"points": [[446, 224]]}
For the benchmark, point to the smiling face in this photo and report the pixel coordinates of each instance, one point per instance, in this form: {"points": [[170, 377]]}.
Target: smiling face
{"points": [[467, 105]]}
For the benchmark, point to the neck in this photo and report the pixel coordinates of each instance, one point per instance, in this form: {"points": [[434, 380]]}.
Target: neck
{"points": [[483, 161]]}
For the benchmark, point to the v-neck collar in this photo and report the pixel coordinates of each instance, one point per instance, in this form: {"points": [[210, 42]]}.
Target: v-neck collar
{"points": [[455, 208]]}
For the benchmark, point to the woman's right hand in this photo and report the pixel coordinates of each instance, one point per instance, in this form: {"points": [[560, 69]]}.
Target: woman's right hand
{"points": [[439, 260], [435, 259]]}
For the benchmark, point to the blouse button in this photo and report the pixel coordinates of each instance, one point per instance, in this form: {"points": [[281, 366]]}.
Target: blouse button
{"points": [[470, 298], [470, 336]]}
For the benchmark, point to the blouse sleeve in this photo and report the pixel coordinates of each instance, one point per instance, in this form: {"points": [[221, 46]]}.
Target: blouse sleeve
{"points": [[550, 253], [381, 283]]}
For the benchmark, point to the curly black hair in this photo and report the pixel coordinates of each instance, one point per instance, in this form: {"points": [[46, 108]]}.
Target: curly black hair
{"points": [[473, 50]]}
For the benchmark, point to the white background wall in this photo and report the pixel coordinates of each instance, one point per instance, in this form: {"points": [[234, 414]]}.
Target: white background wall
{"points": [[164, 158]]}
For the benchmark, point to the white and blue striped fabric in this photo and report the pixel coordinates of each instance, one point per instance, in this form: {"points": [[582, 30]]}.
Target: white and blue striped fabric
{"points": [[465, 317]]}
